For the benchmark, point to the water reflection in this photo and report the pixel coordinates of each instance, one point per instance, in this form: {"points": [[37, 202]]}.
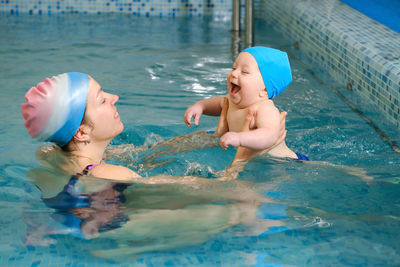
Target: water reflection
{"points": [[149, 214]]}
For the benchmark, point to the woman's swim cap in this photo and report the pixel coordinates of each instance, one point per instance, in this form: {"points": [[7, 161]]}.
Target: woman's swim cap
{"points": [[55, 107], [274, 67]]}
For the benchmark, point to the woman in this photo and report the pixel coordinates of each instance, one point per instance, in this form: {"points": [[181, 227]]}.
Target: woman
{"points": [[74, 112]]}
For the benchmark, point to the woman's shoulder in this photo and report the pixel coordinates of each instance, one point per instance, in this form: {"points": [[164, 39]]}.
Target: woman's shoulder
{"points": [[114, 172]]}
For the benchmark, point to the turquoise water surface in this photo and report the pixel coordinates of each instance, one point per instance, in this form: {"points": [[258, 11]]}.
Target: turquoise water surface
{"points": [[343, 209]]}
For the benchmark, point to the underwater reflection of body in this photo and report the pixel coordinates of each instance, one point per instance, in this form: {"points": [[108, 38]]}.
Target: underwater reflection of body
{"points": [[82, 208], [151, 214]]}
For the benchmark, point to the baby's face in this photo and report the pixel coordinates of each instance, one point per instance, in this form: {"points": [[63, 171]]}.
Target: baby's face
{"points": [[245, 83]]}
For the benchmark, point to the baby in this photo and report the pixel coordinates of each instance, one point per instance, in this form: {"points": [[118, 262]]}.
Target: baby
{"points": [[258, 75]]}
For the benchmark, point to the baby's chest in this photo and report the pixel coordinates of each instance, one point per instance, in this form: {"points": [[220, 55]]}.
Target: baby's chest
{"points": [[236, 119]]}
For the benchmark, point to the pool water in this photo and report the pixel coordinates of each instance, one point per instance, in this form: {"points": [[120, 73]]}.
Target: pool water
{"points": [[343, 209]]}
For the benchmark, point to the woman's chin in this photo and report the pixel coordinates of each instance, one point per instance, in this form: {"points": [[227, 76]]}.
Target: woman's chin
{"points": [[120, 129]]}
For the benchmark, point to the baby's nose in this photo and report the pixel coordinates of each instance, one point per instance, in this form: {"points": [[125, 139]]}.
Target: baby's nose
{"points": [[234, 73]]}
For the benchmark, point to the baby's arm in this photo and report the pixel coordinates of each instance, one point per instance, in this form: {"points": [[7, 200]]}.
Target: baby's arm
{"points": [[210, 106], [264, 136]]}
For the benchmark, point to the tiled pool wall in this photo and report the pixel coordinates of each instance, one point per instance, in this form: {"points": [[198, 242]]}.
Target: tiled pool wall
{"points": [[169, 8], [356, 51]]}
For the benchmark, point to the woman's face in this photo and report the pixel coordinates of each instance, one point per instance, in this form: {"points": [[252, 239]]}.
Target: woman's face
{"points": [[102, 113]]}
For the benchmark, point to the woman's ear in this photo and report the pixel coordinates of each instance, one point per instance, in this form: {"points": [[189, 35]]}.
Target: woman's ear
{"points": [[82, 135]]}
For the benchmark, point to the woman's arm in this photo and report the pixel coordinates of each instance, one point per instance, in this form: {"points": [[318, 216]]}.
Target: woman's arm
{"points": [[114, 172]]}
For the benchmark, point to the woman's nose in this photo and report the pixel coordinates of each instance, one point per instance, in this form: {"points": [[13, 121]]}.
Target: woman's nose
{"points": [[114, 98]]}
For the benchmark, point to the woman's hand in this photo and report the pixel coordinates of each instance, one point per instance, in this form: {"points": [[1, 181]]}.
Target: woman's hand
{"points": [[282, 130], [244, 153]]}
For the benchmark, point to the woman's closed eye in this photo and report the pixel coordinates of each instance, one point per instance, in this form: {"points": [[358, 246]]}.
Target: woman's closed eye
{"points": [[102, 99]]}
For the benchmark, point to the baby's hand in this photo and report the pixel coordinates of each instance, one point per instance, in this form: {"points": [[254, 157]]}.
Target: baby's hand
{"points": [[193, 111], [229, 139]]}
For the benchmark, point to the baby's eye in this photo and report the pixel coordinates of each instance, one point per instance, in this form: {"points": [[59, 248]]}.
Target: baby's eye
{"points": [[245, 72], [233, 68]]}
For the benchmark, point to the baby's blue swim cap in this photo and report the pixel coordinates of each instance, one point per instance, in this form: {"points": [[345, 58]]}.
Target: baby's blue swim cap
{"points": [[274, 67]]}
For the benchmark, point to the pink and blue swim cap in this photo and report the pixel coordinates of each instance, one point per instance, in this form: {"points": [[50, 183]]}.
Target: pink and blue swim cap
{"points": [[55, 107], [274, 67]]}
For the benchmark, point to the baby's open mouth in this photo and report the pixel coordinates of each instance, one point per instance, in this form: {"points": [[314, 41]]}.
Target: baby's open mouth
{"points": [[234, 89]]}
